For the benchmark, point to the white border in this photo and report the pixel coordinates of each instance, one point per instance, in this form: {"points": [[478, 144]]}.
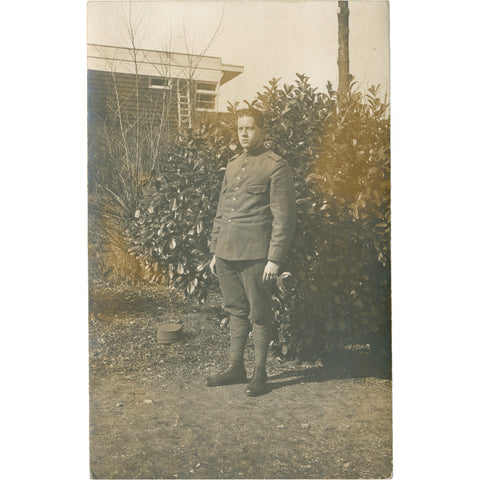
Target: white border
{"points": [[435, 105]]}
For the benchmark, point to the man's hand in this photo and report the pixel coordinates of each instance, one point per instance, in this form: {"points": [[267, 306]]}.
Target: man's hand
{"points": [[270, 273], [213, 265]]}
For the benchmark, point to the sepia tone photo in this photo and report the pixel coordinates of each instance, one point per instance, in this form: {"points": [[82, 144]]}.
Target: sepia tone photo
{"points": [[239, 239]]}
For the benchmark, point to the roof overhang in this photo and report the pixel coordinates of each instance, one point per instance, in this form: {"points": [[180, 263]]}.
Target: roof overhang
{"points": [[230, 72], [160, 64]]}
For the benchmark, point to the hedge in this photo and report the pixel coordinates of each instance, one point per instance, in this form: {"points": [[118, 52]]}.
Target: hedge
{"points": [[336, 286]]}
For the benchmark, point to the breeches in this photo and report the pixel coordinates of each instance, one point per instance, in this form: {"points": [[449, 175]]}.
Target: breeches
{"points": [[244, 293]]}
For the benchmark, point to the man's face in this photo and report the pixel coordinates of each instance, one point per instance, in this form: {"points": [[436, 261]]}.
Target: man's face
{"points": [[249, 134]]}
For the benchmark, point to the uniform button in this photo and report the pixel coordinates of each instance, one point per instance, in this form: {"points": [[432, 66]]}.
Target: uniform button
{"points": [[234, 198], [238, 178], [230, 220], [243, 169], [236, 188], [233, 209]]}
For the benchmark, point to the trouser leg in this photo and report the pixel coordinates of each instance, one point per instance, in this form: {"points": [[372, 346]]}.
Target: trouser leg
{"points": [[246, 300], [236, 304], [262, 335], [239, 328], [260, 302]]}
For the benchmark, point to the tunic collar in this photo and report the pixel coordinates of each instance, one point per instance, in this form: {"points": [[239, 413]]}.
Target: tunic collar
{"points": [[256, 151]]}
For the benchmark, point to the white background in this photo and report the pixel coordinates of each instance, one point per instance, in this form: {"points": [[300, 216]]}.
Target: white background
{"points": [[44, 353]]}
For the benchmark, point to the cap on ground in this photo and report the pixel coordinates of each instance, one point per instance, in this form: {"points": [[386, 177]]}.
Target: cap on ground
{"points": [[169, 332]]}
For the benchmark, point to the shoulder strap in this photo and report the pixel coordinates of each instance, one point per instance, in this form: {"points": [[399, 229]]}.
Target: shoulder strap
{"points": [[274, 156]]}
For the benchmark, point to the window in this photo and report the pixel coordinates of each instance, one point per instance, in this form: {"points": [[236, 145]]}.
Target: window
{"points": [[205, 101], [206, 96], [156, 82]]}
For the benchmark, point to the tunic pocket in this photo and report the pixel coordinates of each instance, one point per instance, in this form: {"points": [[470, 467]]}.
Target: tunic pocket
{"points": [[256, 188]]}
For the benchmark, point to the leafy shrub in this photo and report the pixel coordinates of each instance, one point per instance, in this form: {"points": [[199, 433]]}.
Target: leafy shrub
{"points": [[353, 173], [170, 230], [339, 292]]}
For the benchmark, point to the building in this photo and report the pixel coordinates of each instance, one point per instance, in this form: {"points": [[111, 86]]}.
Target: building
{"points": [[158, 86]]}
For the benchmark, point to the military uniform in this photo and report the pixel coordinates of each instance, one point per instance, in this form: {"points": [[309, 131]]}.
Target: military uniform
{"points": [[255, 222], [256, 210]]}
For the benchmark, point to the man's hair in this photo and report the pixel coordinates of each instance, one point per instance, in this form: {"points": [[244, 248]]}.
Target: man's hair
{"points": [[257, 115]]}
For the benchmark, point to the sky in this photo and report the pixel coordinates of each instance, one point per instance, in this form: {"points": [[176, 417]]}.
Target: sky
{"points": [[269, 39]]}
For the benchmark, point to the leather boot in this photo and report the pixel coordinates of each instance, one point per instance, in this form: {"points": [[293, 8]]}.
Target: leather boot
{"points": [[234, 374], [258, 383]]}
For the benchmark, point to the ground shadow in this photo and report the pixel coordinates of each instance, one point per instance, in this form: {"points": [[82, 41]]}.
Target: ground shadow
{"points": [[344, 365]]}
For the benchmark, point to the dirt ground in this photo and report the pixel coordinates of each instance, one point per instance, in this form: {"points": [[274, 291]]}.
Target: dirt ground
{"points": [[151, 416]]}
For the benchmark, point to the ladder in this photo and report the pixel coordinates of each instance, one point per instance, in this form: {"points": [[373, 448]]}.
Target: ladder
{"points": [[184, 104]]}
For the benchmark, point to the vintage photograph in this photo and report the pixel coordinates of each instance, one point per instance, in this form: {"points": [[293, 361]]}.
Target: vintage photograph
{"points": [[239, 239]]}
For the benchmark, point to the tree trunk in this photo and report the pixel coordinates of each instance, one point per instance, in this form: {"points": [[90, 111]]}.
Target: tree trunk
{"points": [[343, 50]]}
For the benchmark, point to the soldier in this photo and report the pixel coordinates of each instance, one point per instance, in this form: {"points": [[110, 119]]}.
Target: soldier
{"points": [[252, 232]]}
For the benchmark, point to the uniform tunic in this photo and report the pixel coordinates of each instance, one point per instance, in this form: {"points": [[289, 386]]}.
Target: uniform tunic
{"points": [[256, 210]]}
